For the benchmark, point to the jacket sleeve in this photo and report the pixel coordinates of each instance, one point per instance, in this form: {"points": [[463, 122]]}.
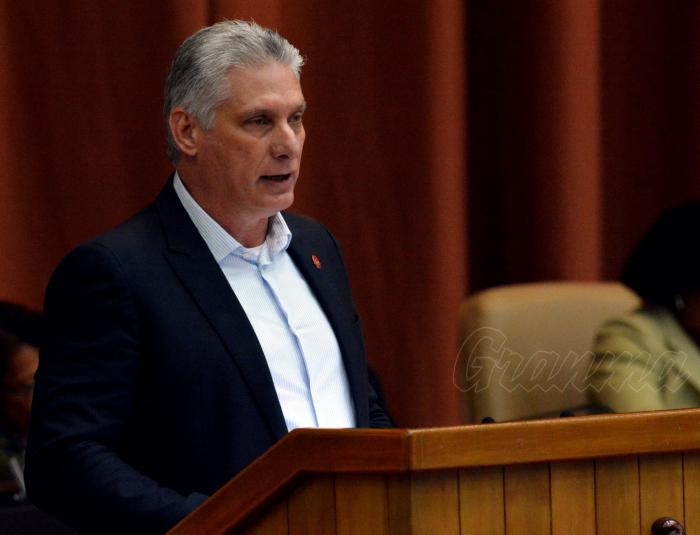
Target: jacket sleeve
{"points": [[631, 372], [86, 388], [378, 416]]}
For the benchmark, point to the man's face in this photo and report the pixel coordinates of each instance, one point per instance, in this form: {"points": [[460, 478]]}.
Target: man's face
{"points": [[249, 159], [16, 388]]}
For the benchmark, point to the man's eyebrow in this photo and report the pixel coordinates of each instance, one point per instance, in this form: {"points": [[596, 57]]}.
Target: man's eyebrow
{"points": [[301, 108]]}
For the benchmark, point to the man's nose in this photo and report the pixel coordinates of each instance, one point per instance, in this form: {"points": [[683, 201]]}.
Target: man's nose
{"points": [[287, 141]]}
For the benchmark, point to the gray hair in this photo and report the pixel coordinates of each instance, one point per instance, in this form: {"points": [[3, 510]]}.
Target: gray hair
{"points": [[197, 78]]}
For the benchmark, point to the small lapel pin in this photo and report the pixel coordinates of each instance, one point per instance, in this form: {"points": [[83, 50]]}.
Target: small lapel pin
{"points": [[316, 261]]}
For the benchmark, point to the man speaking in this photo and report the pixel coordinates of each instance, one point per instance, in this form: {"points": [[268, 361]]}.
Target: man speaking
{"points": [[183, 344]]}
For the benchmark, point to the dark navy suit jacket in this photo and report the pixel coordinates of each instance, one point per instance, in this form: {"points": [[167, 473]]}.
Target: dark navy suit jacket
{"points": [[152, 389]]}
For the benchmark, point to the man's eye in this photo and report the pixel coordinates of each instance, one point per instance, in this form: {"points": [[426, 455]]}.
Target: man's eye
{"points": [[259, 121], [295, 119]]}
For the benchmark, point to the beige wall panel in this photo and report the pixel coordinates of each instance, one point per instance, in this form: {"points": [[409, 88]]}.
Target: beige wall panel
{"points": [[435, 503], [573, 498], [361, 504], [311, 507], [481, 505], [528, 508], [661, 488], [617, 496]]}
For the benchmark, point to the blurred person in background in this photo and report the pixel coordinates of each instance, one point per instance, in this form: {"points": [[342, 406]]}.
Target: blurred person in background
{"points": [[650, 359], [20, 332]]}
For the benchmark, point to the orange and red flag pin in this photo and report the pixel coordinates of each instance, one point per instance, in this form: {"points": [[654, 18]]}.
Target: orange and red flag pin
{"points": [[316, 261]]}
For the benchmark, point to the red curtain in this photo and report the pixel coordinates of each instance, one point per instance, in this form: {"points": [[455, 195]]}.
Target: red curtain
{"points": [[450, 146], [583, 126]]}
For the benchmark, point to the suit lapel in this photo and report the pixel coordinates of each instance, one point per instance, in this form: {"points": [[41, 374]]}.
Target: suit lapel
{"points": [[324, 282], [196, 268]]}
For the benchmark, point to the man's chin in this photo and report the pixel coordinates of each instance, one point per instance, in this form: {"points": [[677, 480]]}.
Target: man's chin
{"points": [[280, 202]]}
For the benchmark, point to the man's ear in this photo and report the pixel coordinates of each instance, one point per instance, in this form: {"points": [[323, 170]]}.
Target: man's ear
{"points": [[184, 131]]}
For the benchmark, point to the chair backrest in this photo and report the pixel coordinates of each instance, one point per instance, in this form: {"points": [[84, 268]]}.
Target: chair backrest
{"points": [[526, 348]]}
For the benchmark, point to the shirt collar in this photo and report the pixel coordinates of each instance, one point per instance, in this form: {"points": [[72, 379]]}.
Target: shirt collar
{"points": [[221, 243]]}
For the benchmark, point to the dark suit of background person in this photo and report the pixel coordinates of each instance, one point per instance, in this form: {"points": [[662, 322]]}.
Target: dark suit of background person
{"points": [[153, 390]]}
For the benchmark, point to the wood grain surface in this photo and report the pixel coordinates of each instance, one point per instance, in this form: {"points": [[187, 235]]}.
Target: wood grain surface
{"points": [[411, 462], [573, 497]]}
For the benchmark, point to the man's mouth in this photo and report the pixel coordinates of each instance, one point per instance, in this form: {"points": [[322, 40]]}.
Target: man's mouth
{"points": [[276, 178]]}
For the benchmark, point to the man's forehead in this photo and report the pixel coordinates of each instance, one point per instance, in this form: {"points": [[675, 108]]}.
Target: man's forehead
{"points": [[253, 70], [266, 86]]}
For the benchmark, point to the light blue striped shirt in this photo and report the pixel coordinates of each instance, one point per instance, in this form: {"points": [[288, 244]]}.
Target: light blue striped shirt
{"points": [[300, 347]]}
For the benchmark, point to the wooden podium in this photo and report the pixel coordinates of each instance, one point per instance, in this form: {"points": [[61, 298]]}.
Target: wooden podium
{"points": [[613, 474]]}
